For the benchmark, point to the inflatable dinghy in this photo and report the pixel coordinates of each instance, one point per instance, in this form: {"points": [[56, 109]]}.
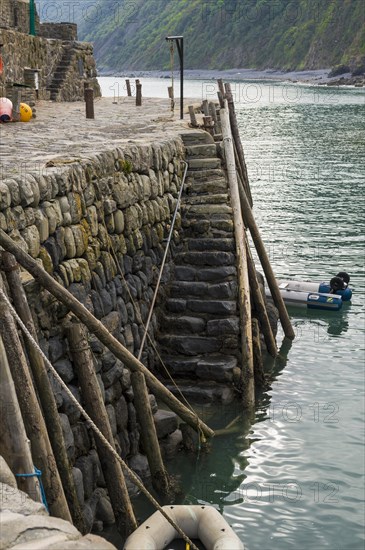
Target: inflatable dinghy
{"points": [[201, 523], [309, 300], [338, 285]]}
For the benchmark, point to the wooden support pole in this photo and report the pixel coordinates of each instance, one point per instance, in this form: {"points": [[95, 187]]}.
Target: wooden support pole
{"points": [[221, 99], [265, 262], [43, 457], [94, 405], [257, 355], [96, 327], [149, 437], [16, 105], [14, 443], [193, 120], [237, 141], [44, 389], [208, 124], [243, 280], [128, 86], [89, 102], [260, 306]]}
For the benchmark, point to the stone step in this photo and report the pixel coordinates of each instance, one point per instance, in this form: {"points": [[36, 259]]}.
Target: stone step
{"points": [[215, 367], [193, 345], [218, 291], [207, 211], [204, 245], [215, 228], [201, 151], [203, 392], [204, 164], [215, 308], [196, 137], [184, 323], [166, 423], [210, 274], [222, 198], [211, 186], [206, 174], [205, 258]]}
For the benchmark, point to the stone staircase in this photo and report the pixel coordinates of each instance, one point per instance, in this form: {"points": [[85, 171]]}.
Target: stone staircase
{"points": [[200, 324], [61, 71]]}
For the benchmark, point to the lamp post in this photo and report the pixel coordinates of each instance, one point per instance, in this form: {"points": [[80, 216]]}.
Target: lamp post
{"points": [[180, 48]]}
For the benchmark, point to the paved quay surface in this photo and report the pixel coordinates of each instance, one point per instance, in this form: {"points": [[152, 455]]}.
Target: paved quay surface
{"points": [[61, 131]]}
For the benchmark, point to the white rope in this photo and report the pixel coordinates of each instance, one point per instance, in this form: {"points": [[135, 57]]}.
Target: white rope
{"points": [[93, 426]]}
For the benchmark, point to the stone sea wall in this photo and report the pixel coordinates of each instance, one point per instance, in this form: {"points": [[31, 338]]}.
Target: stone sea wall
{"points": [[99, 227], [72, 61]]}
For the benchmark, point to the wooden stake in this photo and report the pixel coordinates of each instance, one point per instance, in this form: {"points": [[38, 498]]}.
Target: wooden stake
{"points": [[213, 114], [208, 124], [193, 120], [265, 262], [237, 141], [13, 438], [128, 85], [44, 389], [96, 327], [221, 99], [89, 102], [149, 437], [221, 88], [243, 281], [259, 305], [42, 453], [138, 94], [258, 362], [206, 107], [94, 405]]}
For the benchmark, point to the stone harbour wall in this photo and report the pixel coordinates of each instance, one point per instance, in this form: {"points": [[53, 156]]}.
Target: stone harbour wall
{"points": [[64, 66], [81, 220]]}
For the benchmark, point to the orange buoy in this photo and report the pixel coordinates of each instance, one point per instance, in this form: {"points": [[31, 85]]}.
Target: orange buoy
{"points": [[25, 112]]}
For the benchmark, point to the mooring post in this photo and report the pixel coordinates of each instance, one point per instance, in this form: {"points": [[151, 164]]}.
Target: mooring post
{"points": [[205, 107], [221, 88], [16, 105], [89, 102], [193, 120], [94, 405], [213, 114], [14, 442], [128, 86], [44, 389], [243, 279], [43, 457], [138, 93], [96, 327]]}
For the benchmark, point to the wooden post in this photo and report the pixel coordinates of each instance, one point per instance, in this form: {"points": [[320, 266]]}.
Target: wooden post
{"points": [[128, 85], [206, 107], [259, 305], [221, 88], [13, 438], [221, 99], [138, 94], [265, 262], [89, 102], [149, 437], [95, 407], [44, 389], [193, 120], [257, 355], [42, 453], [96, 327], [237, 140], [243, 281], [213, 114], [208, 124], [16, 105]]}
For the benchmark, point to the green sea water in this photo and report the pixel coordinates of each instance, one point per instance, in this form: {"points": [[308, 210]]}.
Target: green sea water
{"points": [[292, 476]]}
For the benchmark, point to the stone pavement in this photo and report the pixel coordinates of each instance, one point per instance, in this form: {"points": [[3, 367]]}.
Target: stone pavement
{"points": [[62, 130]]}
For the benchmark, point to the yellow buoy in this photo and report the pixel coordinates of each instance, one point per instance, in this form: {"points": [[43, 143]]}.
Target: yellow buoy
{"points": [[25, 112]]}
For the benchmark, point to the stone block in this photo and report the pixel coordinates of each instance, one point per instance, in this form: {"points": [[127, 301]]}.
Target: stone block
{"points": [[194, 345], [121, 414], [218, 368], [166, 422], [139, 464], [113, 375], [79, 485], [215, 327], [81, 439], [68, 436], [214, 307], [64, 369], [171, 445]]}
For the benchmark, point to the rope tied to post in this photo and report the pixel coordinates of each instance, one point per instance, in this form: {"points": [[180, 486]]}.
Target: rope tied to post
{"points": [[37, 473]]}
